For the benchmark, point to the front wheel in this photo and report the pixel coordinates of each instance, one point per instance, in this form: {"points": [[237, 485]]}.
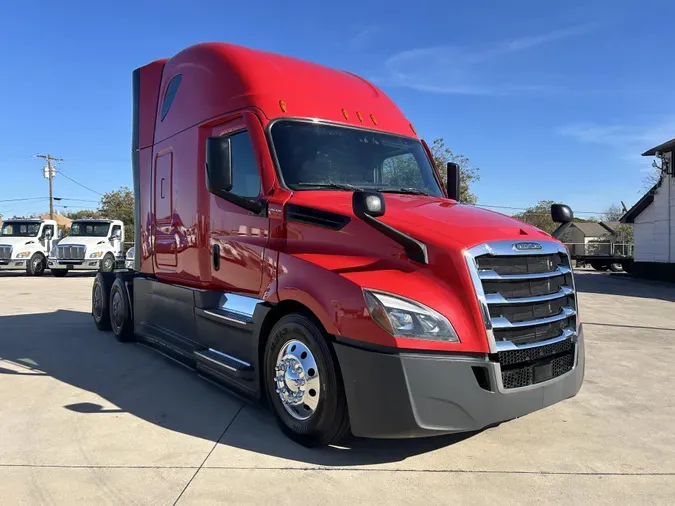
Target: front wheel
{"points": [[36, 265], [303, 383], [616, 267], [108, 263]]}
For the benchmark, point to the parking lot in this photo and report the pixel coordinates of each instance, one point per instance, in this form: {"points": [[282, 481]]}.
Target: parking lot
{"points": [[86, 419]]}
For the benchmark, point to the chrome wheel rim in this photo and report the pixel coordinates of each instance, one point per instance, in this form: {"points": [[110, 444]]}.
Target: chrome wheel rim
{"points": [[37, 265], [297, 380], [107, 264]]}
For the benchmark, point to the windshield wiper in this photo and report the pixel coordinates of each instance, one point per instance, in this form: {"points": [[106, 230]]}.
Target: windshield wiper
{"points": [[411, 191], [337, 186]]}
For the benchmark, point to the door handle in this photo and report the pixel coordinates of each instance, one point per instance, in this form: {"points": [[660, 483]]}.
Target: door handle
{"points": [[216, 257]]}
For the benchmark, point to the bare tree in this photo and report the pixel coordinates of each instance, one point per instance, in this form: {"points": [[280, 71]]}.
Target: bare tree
{"points": [[612, 213]]}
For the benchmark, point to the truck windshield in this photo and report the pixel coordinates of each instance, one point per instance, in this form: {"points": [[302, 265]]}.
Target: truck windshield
{"points": [[89, 229], [316, 156], [22, 229]]}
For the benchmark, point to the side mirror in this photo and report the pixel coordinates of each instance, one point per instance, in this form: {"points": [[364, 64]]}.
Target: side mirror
{"points": [[452, 183], [117, 234], [560, 213], [368, 203], [218, 165], [48, 234]]}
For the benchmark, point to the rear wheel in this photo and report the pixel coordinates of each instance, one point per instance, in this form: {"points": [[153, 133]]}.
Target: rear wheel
{"points": [[303, 383], [59, 273], [599, 266], [100, 301], [36, 265], [616, 267], [120, 311]]}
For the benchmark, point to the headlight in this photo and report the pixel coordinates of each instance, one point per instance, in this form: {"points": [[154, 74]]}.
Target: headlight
{"points": [[98, 254], [23, 254], [406, 318]]}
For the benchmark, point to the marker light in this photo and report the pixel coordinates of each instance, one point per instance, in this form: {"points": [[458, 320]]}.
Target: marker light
{"points": [[282, 105], [372, 117], [360, 116], [344, 113]]}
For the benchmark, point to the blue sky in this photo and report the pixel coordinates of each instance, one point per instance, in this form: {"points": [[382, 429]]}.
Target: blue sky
{"points": [[552, 100]]}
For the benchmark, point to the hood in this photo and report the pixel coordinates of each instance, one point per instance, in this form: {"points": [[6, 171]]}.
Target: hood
{"points": [[89, 242], [421, 216], [18, 241]]}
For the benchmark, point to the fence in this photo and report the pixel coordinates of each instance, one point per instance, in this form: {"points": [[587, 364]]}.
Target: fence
{"points": [[600, 248]]}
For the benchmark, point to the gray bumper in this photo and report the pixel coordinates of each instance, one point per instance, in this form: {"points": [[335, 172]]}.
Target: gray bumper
{"points": [[416, 394], [14, 264]]}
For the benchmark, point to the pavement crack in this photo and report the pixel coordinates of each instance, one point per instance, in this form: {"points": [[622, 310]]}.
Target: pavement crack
{"points": [[209, 454]]}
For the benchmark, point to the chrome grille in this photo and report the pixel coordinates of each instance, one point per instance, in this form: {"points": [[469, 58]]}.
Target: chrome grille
{"points": [[527, 296], [5, 252], [71, 252]]}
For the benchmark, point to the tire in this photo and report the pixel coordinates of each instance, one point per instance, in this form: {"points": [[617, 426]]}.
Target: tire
{"points": [[120, 312], [59, 273], [599, 267], [327, 417], [100, 301], [36, 265], [108, 263], [616, 267]]}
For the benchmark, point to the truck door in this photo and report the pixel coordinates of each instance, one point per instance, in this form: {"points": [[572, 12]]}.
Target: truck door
{"points": [[165, 238], [237, 237]]}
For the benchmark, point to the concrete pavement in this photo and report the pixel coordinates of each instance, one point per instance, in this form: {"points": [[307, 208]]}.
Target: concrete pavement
{"points": [[86, 419]]}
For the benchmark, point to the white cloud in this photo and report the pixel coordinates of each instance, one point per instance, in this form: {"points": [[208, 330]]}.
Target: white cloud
{"points": [[468, 70], [625, 141]]}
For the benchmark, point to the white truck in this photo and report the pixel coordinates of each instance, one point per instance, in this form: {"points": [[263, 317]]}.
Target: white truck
{"points": [[92, 244], [25, 244]]}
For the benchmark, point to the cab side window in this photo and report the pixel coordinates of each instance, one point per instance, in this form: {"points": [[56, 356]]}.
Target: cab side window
{"points": [[245, 174]]}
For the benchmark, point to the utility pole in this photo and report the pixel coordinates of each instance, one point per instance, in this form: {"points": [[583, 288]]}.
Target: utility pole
{"points": [[49, 173]]}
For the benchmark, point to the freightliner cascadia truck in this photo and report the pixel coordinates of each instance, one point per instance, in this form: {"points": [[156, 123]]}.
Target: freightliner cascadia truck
{"points": [[294, 242]]}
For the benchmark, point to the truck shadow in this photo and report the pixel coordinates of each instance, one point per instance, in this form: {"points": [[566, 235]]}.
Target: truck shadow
{"points": [[139, 381], [47, 274], [622, 284]]}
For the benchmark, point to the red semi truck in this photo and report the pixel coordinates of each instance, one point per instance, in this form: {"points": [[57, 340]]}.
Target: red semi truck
{"points": [[295, 243]]}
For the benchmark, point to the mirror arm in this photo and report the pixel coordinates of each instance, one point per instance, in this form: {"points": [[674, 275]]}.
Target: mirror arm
{"points": [[561, 230], [414, 249]]}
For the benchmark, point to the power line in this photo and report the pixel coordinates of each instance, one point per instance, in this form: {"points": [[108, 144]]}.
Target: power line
{"points": [[79, 184], [24, 199], [525, 209]]}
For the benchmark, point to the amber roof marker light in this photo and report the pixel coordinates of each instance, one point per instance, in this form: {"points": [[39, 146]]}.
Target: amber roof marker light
{"points": [[282, 105], [344, 113]]}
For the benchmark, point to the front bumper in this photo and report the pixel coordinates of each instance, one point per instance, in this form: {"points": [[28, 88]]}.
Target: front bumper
{"points": [[421, 394], [14, 264], [78, 265]]}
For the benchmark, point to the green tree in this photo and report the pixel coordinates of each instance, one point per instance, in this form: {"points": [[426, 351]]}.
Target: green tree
{"points": [[469, 173], [539, 216], [82, 213], [119, 205]]}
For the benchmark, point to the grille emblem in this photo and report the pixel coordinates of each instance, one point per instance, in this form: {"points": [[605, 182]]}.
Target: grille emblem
{"points": [[526, 246]]}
